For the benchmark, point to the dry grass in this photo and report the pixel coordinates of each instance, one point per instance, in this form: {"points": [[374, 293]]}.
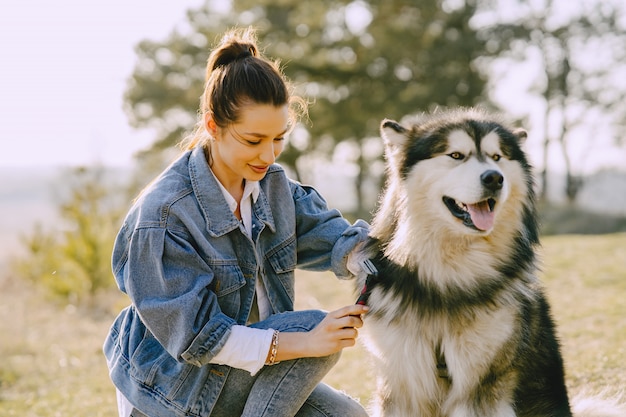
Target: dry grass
{"points": [[585, 280], [52, 363]]}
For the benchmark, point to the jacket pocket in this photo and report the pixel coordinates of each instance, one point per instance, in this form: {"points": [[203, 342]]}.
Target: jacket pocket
{"points": [[282, 260], [228, 280], [146, 359]]}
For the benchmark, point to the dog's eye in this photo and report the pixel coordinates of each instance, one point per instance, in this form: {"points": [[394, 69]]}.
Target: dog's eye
{"points": [[456, 155], [496, 157]]}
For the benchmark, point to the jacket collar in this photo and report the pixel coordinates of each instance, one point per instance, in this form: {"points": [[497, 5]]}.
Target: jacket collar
{"points": [[217, 214], [251, 189]]}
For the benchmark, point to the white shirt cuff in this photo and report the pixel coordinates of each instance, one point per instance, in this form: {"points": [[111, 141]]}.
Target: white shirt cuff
{"points": [[246, 348]]}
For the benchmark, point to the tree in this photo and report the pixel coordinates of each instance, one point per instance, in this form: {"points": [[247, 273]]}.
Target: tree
{"points": [[581, 58], [72, 261], [360, 61]]}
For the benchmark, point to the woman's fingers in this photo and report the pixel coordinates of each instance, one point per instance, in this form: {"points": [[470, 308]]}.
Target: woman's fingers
{"points": [[349, 316], [348, 333], [337, 330], [350, 322], [351, 310]]}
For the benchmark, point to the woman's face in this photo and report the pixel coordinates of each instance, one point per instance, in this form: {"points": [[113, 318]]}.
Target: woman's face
{"points": [[246, 149]]}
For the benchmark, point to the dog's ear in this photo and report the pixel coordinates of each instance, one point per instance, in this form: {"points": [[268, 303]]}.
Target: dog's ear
{"points": [[393, 133], [520, 134]]}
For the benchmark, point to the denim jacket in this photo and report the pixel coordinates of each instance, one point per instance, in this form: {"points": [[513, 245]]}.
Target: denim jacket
{"points": [[189, 269]]}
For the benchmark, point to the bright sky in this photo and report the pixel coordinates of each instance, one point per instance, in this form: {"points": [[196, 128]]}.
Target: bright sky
{"points": [[63, 71]]}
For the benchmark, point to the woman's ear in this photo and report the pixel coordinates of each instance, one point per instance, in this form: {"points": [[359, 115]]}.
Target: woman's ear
{"points": [[210, 125]]}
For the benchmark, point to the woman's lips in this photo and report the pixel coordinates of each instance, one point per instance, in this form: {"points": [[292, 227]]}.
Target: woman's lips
{"points": [[259, 168]]}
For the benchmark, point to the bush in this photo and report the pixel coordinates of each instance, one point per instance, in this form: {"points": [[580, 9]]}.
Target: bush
{"points": [[72, 260]]}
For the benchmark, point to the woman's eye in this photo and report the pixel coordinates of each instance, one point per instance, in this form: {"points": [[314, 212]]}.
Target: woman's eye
{"points": [[279, 139], [456, 155]]}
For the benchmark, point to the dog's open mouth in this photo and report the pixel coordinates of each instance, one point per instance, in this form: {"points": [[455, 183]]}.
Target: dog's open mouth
{"points": [[479, 216]]}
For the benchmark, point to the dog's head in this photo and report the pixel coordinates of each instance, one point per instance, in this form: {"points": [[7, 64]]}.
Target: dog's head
{"points": [[461, 168]]}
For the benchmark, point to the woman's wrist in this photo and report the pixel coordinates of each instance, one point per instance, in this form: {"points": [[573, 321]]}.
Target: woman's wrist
{"points": [[273, 351], [291, 345]]}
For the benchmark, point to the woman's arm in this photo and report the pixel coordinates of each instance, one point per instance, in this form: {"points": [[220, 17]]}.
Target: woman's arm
{"points": [[325, 237], [338, 330], [170, 285]]}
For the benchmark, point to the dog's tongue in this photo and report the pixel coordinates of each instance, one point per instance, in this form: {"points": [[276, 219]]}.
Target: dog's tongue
{"points": [[482, 216]]}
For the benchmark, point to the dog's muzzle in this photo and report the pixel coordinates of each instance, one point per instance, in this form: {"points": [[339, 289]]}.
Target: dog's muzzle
{"points": [[479, 216]]}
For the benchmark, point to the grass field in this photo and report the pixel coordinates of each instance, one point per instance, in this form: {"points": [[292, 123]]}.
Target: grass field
{"points": [[52, 363]]}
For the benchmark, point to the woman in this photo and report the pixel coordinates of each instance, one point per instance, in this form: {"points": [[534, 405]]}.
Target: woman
{"points": [[207, 256]]}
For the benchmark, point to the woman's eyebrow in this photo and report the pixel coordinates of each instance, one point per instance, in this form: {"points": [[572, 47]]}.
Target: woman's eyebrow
{"points": [[262, 135]]}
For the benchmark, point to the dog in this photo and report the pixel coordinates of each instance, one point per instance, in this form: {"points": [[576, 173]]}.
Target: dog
{"points": [[459, 325]]}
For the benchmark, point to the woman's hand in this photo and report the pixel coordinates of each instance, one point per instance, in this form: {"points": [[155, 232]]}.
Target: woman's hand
{"points": [[338, 330]]}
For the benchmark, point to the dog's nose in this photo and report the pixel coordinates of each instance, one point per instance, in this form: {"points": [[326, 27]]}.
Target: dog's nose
{"points": [[492, 180]]}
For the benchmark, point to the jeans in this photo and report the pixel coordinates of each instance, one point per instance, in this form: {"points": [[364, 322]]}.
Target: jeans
{"points": [[289, 388]]}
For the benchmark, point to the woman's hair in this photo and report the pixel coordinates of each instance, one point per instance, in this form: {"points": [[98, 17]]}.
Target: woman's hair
{"points": [[237, 75]]}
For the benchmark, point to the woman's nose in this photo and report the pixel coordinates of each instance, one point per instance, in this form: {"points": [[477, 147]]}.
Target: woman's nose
{"points": [[268, 154]]}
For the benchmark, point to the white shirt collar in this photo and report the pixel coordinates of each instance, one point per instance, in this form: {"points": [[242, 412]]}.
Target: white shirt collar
{"points": [[250, 190]]}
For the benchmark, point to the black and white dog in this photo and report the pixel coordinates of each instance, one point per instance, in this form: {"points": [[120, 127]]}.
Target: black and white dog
{"points": [[459, 325]]}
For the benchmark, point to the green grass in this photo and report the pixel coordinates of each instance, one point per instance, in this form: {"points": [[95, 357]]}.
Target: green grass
{"points": [[52, 363], [586, 282]]}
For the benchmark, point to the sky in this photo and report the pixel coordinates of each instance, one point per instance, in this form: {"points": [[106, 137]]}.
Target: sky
{"points": [[64, 65]]}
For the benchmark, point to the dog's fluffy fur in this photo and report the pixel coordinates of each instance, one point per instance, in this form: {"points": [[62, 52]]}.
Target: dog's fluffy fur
{"points": [[459, 325]]}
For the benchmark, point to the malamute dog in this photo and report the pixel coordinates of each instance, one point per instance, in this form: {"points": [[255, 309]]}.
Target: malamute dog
{"points": [[459, 325]]}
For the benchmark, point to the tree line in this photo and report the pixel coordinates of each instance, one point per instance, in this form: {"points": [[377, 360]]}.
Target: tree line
{"points": [[358, 62]]}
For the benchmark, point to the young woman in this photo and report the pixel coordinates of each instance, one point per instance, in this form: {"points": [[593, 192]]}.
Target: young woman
{"points": [[207, 256]]}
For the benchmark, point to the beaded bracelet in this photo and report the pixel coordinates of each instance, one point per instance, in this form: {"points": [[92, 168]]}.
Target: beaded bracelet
{"points": [[273, 349]]}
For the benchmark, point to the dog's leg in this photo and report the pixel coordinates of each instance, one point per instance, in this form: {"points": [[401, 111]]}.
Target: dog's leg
{"points": [[405, 388], [479, 364]]}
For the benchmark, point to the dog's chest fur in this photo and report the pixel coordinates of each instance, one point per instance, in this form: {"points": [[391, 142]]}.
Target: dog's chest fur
{"points": [[467, 346]]}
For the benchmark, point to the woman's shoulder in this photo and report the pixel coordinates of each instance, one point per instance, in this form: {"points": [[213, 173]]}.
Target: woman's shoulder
{"points": [[275, 173], [173, 184], [276, 170], [277, 176], [278, 173]]}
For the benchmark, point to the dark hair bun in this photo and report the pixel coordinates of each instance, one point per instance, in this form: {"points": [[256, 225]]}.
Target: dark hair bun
{"points": [[234, 48]]}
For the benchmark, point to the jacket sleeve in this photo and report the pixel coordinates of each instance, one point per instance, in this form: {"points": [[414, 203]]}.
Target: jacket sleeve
{"points": [[324, 237], [170, 285]]}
